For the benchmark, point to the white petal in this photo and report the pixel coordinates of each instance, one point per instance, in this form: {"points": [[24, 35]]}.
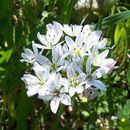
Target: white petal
{"points": [[100, 72], [49, 26], [52, 77], [38, 67], [57, 83], [28, 55], [30, 80], [67, 29], [88, 65], [46, 97], [79, 89], [34, 48], [87, 85], [54, 105], [64, 89], [79, 40], [93, 39], [104, 54], [55, 54], [81, 77], [42, 39], [76, 67], [42, 47], [65, 48], [97, 34], [95, 50], [98, 84], [65, 99], [39, 74], [102, 43], [59, 50], [111, 65], [43, 90], [72, 91], [70, 72], [109, 62], [43, 60], [64, 81], [28, 52], [70, 42], [86, 30], [76, 29], [58, 27], [32, 91]]}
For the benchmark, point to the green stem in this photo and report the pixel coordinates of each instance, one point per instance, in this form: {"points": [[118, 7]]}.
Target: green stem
{"points": [[57, 118]]}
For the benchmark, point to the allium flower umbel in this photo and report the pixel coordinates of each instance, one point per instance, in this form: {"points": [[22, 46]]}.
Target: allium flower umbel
{"points": [[67, 61]]}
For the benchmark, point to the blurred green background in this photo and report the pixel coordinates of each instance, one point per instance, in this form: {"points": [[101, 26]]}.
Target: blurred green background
{"points": [[20, 20]]}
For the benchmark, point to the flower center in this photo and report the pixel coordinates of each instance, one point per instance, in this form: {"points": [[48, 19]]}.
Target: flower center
{"points": [[77, 52], [74, 82], [41, 82], [53, 67], [57, 93]]}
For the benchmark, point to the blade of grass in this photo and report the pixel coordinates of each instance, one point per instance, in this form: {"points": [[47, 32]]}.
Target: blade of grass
{"points": [[114, 19], [66, 11], [22, 111]]}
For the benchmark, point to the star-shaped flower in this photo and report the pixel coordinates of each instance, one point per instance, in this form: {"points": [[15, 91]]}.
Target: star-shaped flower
{"points": [[52, 37], [75, 80], [58, 94]]}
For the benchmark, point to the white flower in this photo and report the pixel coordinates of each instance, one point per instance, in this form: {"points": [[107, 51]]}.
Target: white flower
{"points": [[105, 67], [31, 56], [100, 59], [58, 63], [91, 39], [74, 63], [76, 48], [75, 80], [72, 30], [57, 94], [37, 84], [52, 37], [86, 30], [92, 77]]}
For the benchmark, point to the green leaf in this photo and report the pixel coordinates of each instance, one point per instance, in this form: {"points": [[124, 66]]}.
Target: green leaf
{"points": [[5, 55], [5, 7], [85, 113], [67, 10], [22, 111], [121, 41], [2, 69], [8, 54], [117, 35], [115, 19], [125, 112], [128, 76], [127, 107], [120, 114], [4, 21], [30, 14]]}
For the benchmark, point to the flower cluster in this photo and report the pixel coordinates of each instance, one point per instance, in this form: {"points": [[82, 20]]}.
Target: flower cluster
{"points": [[69, 60]]}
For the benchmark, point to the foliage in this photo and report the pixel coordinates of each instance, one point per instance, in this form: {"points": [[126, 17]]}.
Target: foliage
{"points": [[20, 20]]}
